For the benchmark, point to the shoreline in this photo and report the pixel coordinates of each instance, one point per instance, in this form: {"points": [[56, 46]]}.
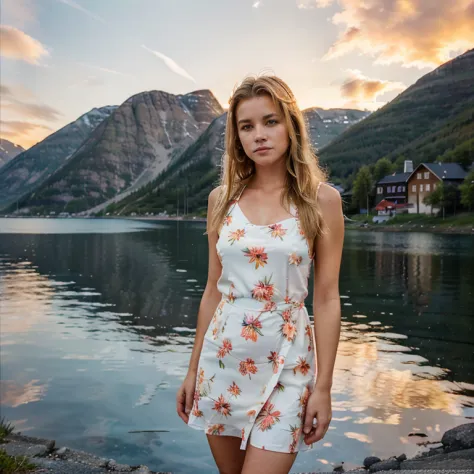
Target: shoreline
{"points": [[455, 451], [436, 229]]}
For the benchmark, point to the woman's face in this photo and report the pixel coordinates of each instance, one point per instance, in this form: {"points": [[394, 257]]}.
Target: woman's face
{"points": [[262, 130]]}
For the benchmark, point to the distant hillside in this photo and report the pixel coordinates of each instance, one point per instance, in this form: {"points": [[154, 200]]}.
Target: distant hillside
{"points": [[324, 125], [430, 118], [30, 169], [130, 148], [8, 151]]}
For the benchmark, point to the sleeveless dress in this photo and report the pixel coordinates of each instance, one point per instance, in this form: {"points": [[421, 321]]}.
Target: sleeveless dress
{"points": [[257, 365]]}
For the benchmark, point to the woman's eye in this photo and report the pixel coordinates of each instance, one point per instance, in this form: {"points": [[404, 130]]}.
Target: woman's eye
{"points": [[272, 121], [245, 127]]}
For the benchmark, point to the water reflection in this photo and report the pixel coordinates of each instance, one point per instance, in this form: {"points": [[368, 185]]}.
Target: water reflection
{"points": [[97, 330]]}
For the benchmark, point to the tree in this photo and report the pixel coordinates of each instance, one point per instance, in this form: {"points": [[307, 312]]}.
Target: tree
{"points": [[362, 187], [383, 167], [467, 191], [444, 196], [435, 198], [463, 154]]}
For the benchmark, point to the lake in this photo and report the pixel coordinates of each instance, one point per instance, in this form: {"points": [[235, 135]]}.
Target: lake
{"points": [[97, 325]]}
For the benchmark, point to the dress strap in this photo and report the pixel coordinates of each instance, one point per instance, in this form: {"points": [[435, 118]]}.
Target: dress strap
{"points": [[317, 189], [241, 191]]}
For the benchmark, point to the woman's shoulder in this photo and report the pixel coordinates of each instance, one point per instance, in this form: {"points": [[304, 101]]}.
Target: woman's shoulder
{"points": [[328, 197]]}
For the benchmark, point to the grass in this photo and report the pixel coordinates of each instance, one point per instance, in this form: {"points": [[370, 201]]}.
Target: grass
{"points": [[11, 464]]}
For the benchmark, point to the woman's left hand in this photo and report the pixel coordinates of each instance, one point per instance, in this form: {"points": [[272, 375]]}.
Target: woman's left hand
{"points": [[319, 407]]}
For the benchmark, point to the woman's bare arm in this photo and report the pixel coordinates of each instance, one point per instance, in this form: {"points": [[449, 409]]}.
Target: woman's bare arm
{"points": [[211, 296], [326, 299]]}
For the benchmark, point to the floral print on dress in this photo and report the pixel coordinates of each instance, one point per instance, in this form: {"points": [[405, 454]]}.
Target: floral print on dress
{"points": [[257, 363], [257, 255], [252, 328], [267, 417]]}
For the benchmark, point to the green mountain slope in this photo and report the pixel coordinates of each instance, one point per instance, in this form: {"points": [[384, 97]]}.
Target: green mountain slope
{"points": [[431, 117]]}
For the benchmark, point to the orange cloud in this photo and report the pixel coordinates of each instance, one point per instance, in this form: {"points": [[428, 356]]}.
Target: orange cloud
{"points": [[15, 44], [414, 33], [16, 113], [25, 134], [359, 88], [29, 110]]}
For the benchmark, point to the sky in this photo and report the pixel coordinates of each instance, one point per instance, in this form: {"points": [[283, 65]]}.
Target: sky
{"points": [[61, 58]]}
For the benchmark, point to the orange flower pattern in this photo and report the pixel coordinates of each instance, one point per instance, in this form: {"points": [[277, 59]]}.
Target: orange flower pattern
{"points": [[251, 328], [257, 255], [257, 365], [267, 417]]}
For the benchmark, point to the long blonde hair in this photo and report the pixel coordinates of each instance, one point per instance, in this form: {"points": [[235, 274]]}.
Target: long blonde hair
{"points": [[304, 172]]}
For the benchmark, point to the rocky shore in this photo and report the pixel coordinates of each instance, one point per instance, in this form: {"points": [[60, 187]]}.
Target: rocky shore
{"points": [[453, 454], [52, 459]]}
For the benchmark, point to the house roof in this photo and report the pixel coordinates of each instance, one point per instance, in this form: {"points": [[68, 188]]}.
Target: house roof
{"points": [[444, 171], [385, 204], [394, 178]]}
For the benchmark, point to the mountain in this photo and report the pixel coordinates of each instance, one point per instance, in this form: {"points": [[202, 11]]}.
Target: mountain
{"points": [[188, 181], [8, 151], [324, 125], [137, 141], [426, 121], [30, 169]]}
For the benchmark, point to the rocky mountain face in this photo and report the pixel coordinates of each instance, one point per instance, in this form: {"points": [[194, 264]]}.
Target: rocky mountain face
{"points": [[188, 179], [428, 119], [32, 167], [137, 142], [8, 151], [324, 125]]}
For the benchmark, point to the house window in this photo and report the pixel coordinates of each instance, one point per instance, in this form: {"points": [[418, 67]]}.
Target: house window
{"points": [[418, 175], [434, 186], [421, 188], [427, 175], [403, 189], [399, 189], [413, 188], [379, 190], [428, 188]]}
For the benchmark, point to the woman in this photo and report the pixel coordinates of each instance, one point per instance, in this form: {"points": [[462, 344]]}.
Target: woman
{"points": [[252, 383]]}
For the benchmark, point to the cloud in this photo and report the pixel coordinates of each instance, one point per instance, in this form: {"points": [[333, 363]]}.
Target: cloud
{"points": [[16, 101], [5, 91], [90, 81], [107, 70], [359, 88], [15, 44], [171, 64], [314, 3], [30, 110], [75, 5], [257, 4], [413, 33], [25, 134], [18, 12]]}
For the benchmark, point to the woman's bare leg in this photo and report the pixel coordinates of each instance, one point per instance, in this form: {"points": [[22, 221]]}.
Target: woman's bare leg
{"points": [[227, 453], [261, 461]]}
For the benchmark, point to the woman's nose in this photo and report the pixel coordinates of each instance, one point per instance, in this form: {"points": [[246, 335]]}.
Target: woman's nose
{"points": [[260, 132]]}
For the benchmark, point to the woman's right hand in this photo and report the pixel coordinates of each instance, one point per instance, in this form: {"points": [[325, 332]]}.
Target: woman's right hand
{"points": [[185, 395]]}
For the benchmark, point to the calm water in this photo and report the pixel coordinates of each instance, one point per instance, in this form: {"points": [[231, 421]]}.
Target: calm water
{"points": [[97, 321]]}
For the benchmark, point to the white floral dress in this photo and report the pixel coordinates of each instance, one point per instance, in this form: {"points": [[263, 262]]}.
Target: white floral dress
{"points": [[257, 364]]}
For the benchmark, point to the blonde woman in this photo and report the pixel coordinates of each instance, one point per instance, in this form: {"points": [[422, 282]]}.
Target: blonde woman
{"points": [[260, 376]]}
